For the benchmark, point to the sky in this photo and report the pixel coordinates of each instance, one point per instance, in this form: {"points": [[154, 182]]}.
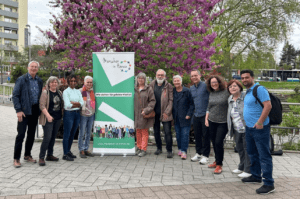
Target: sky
{"points": [[39, 15]]}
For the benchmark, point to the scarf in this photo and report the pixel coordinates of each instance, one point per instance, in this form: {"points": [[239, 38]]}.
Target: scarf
{"points": [[92, 96]]}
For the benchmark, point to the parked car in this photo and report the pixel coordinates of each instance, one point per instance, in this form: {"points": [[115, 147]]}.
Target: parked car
{"points": [[236, 77]]}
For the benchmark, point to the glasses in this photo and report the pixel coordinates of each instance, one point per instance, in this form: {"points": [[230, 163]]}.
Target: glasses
{"points": [[232, 86], [72, 80], [214, 83]]}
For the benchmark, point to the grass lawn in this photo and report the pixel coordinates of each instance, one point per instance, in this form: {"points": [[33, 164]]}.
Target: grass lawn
{"points": [[280, 85]]}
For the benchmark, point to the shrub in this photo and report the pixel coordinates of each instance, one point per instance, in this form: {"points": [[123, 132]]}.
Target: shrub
{"points": [[17, 72]]}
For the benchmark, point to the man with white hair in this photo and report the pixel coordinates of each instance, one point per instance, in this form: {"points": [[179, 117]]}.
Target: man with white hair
{"points": [[163, 92], [87, 117], [26, 96]]}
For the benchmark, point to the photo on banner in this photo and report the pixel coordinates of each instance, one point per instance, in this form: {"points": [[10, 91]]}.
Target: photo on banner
{"points": [[113, 75]]}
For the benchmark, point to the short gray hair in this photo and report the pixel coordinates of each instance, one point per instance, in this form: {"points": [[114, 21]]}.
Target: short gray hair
{"points": [[141, 75], [52, 79], [161, 70], [87, 77], [178, 77], [34, 62], [197, 71]]}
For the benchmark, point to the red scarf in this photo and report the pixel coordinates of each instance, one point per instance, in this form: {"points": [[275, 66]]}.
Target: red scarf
{"points": [[92, 96]]}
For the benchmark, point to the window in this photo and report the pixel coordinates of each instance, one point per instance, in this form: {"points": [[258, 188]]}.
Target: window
{"points": [[8, 9], [8, 20]]}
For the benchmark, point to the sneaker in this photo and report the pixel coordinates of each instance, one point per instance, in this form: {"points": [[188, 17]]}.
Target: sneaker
{"points": [[244, 175], [158, 151], [196, 157], [52, 158], [17, 163], [142, 153], [29, 159], [204, 160], [68, 158], [183, 156], [237, 171], [42, 162], [265, 189], [251, 180], [71, 155], [87, 153], [218, 169], [179, 153], [82, 154], [170, 154], [137, 151], [213, 165]]}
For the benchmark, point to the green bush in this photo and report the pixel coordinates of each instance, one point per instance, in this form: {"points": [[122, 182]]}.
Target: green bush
{"points": [[294, 99], [17, 72], [289, 146]]}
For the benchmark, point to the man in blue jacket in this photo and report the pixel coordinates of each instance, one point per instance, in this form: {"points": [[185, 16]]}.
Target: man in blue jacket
{"points": [[26, 95]]}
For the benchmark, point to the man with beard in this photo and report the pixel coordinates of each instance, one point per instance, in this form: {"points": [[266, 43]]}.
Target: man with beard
{"points": [[258, 134], [163, 92]]}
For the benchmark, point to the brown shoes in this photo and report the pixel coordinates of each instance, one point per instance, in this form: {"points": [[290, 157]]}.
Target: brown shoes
{"points": [[87, 153], [17, 163], [29, 159], [42, 162], [52, 158]]}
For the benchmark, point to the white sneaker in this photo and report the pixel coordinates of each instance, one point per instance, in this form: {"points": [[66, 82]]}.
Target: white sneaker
{"points": [[204, 160], [237, 171], [196, 158], [244, 175]]}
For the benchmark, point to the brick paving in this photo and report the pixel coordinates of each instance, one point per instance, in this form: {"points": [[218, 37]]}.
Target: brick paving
{"points": [[130, 177]]}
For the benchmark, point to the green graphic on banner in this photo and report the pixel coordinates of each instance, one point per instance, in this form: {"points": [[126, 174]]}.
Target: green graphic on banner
{"points": [[113, 75]]}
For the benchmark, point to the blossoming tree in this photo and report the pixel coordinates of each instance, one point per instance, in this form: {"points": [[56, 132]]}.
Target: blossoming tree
{"points": [[175, 35]]}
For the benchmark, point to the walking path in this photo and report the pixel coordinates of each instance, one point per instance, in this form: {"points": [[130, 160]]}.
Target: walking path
{"points": [[130, 177]]}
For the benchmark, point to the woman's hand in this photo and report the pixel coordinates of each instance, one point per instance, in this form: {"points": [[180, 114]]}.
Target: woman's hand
{"points": [[50, 118], [206, 123]]}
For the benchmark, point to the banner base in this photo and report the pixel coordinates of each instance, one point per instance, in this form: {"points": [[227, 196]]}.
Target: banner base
{"points": [[119, 152]]}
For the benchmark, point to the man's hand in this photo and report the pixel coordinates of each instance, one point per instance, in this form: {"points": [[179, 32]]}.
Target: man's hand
{"points": [[187, 117], [165, 116], [258, 126], [20, 116]]}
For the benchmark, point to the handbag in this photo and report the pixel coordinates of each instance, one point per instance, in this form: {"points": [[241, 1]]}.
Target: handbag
{"points": [[147, 116]]}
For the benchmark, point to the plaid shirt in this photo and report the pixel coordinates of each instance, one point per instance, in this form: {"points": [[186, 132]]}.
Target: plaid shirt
{"points": [[34, 88]]}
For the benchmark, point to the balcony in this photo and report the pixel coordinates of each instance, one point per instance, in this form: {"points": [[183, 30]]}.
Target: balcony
{"points": [[9, 25], [9, 47], [10, 3], [9, 35], [8, 59], [9, 14]]}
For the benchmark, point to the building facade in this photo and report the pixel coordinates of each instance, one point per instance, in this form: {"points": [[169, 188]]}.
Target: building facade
{"points": [[13, 30]]}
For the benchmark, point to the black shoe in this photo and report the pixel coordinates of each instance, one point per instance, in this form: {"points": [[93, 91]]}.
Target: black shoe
{"points": [[82, 154], [68, 158], [251, 180], [142, 153], [170, 154], [157, 152], [42, 162], [137, 151], [71, 155], [265, 189]]}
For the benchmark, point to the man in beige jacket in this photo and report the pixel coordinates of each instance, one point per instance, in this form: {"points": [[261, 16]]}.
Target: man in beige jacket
{"points": [[163, 92]]}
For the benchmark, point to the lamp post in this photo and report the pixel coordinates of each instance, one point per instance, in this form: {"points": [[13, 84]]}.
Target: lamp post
{"points": [[29, 44]]}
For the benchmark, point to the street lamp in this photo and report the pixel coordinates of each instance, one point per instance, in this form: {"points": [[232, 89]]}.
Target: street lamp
{"points": [[29, 44]]}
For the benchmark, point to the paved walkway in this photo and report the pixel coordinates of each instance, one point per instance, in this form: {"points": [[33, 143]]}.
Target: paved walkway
{"points": [[130, 177]]}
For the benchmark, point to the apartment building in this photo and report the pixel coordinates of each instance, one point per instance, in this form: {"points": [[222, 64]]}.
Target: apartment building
{"points": [[13, 30]]}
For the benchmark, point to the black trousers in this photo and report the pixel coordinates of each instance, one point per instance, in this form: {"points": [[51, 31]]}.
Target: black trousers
{"points": [[218, 133], [168, 134], [29, 123], [202, 137]]}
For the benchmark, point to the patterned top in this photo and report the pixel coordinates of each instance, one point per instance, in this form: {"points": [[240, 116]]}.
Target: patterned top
{"points": [[34, 88], [218, 106]]}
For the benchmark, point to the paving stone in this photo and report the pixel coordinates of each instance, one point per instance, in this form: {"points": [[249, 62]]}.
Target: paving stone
{"points": [[38, 196]]}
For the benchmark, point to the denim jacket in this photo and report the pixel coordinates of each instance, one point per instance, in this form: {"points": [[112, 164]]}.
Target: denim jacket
{"points": [[21, 94], [240, 108]]}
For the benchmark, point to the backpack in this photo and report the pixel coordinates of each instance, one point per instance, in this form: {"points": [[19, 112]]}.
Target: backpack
{"points": [[275, 114]]}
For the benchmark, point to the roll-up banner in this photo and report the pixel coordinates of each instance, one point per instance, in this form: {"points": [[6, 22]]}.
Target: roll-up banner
{"points": [[113, 75]]}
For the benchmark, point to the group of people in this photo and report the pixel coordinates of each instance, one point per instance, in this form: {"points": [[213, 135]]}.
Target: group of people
{"points": [[213, 107], [49, 107], [114, 132]]}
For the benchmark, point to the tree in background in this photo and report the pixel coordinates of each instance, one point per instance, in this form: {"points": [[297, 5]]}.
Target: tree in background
{"points": [[288, 58], [174, 35], [248, 26]]}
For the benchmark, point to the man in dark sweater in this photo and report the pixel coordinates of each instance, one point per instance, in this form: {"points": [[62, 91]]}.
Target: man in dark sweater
{"points": [[163, 92]]}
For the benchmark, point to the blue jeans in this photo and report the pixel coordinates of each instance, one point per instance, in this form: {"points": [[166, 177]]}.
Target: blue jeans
{"points": [[259, 152], [182, 136], [85, 130], [71, 123]]}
